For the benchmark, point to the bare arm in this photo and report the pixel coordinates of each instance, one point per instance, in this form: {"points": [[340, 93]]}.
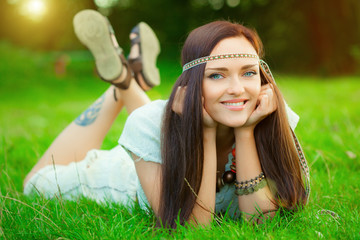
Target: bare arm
{"points": [[248, 167], [205, 203], [150, 174], [247, 160]]}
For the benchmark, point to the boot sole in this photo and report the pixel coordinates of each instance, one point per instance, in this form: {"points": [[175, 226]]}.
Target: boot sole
{"points": [[150, 49], [92, 29]]}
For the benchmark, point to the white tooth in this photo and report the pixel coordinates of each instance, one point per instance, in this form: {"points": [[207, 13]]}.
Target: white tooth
{"points": [[234, 104]]}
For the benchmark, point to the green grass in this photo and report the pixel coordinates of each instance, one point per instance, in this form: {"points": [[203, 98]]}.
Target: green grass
{"points": [[35, 105]]}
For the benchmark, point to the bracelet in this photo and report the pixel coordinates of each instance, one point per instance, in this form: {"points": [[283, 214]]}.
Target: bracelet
{"points": [[249, 183], [250, 186]]}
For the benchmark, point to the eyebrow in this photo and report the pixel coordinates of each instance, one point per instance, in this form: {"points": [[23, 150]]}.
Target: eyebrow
{"points": [[225, 69]]}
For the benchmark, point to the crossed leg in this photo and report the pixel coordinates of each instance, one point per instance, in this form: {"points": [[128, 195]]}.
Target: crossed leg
{"points": [[90, 128]]}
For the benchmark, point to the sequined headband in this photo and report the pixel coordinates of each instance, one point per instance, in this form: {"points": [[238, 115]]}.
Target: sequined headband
{"points": [[206, 59]]}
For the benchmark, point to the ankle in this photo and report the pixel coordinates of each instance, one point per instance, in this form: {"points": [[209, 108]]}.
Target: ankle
{"points": [[122, 76], [142, 84]]}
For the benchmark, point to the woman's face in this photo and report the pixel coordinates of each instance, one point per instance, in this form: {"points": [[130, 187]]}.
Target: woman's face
{"points": [[231, 86]]}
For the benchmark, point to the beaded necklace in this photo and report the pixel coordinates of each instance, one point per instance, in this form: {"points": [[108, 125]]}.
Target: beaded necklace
{"points": [[228, 176]]}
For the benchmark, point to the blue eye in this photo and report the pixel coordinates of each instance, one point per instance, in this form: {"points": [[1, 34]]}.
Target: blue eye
{"points": [[250, 74], [215, 76]]}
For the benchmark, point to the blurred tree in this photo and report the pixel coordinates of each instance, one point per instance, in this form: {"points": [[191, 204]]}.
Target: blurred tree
{"points": [[319, 36], [333, 30], [316, 36]]}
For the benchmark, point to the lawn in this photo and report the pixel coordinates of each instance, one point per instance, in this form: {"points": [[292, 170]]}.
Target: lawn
{"points": [[36, 104]]}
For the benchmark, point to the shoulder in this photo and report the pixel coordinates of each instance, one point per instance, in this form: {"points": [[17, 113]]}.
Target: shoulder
{"points": [[152, 111], [142, 131], [154, 106]]}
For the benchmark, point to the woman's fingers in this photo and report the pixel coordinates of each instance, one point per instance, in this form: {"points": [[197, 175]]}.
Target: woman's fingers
{"points": [[178, 103], [270, 103], [272, 100], [264, 102], [207, 119], [266, 105]]}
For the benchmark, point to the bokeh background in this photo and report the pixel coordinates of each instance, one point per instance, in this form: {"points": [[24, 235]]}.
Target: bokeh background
{"points": [[319, 37]]}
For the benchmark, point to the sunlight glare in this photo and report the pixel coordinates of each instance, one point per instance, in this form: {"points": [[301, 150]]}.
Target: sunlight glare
{"points": [[34, 9]]}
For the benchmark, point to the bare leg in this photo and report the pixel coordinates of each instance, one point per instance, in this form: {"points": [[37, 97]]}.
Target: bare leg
{"points": [[90, 128]]}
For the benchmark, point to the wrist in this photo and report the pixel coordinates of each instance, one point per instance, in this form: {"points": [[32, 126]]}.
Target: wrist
{"points": [[209, 133], [244, 132]]}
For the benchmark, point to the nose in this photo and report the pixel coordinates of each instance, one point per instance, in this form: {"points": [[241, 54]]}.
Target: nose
{"points": [[236, 87]]}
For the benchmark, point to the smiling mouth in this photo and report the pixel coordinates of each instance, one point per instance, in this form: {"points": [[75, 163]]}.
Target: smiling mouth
{"points": [[234, 104]]}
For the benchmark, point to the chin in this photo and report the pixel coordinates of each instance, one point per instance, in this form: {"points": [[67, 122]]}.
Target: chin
{"points": [[233, 124]]}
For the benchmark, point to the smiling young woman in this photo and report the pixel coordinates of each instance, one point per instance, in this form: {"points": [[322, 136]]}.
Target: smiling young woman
{"points": [[230, 100], [223, 142]]}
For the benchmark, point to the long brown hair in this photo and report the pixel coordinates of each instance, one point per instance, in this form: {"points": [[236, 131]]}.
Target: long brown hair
{"points": [[182, 135]]}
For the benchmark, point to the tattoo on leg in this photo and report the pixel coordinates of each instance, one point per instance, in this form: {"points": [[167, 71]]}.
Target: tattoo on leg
{"points": [[90, 114], [115, 98]]}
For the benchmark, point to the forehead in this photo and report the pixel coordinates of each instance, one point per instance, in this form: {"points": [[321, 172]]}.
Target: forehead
{"points": [[233, 45]]}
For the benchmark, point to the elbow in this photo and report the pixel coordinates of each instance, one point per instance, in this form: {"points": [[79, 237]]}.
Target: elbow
{"points": [[203, 220], [201, 216]]}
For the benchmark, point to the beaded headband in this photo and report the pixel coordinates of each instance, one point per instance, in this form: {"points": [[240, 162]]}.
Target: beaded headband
{"points": [[206, 59]]}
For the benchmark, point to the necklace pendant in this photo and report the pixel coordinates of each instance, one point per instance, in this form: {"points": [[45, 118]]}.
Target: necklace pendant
{"points": [[229, 177]]}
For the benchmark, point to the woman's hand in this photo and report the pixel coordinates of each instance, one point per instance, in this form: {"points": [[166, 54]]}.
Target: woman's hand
{"points": [[178, 105], [208, 121], [267, 104]]}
